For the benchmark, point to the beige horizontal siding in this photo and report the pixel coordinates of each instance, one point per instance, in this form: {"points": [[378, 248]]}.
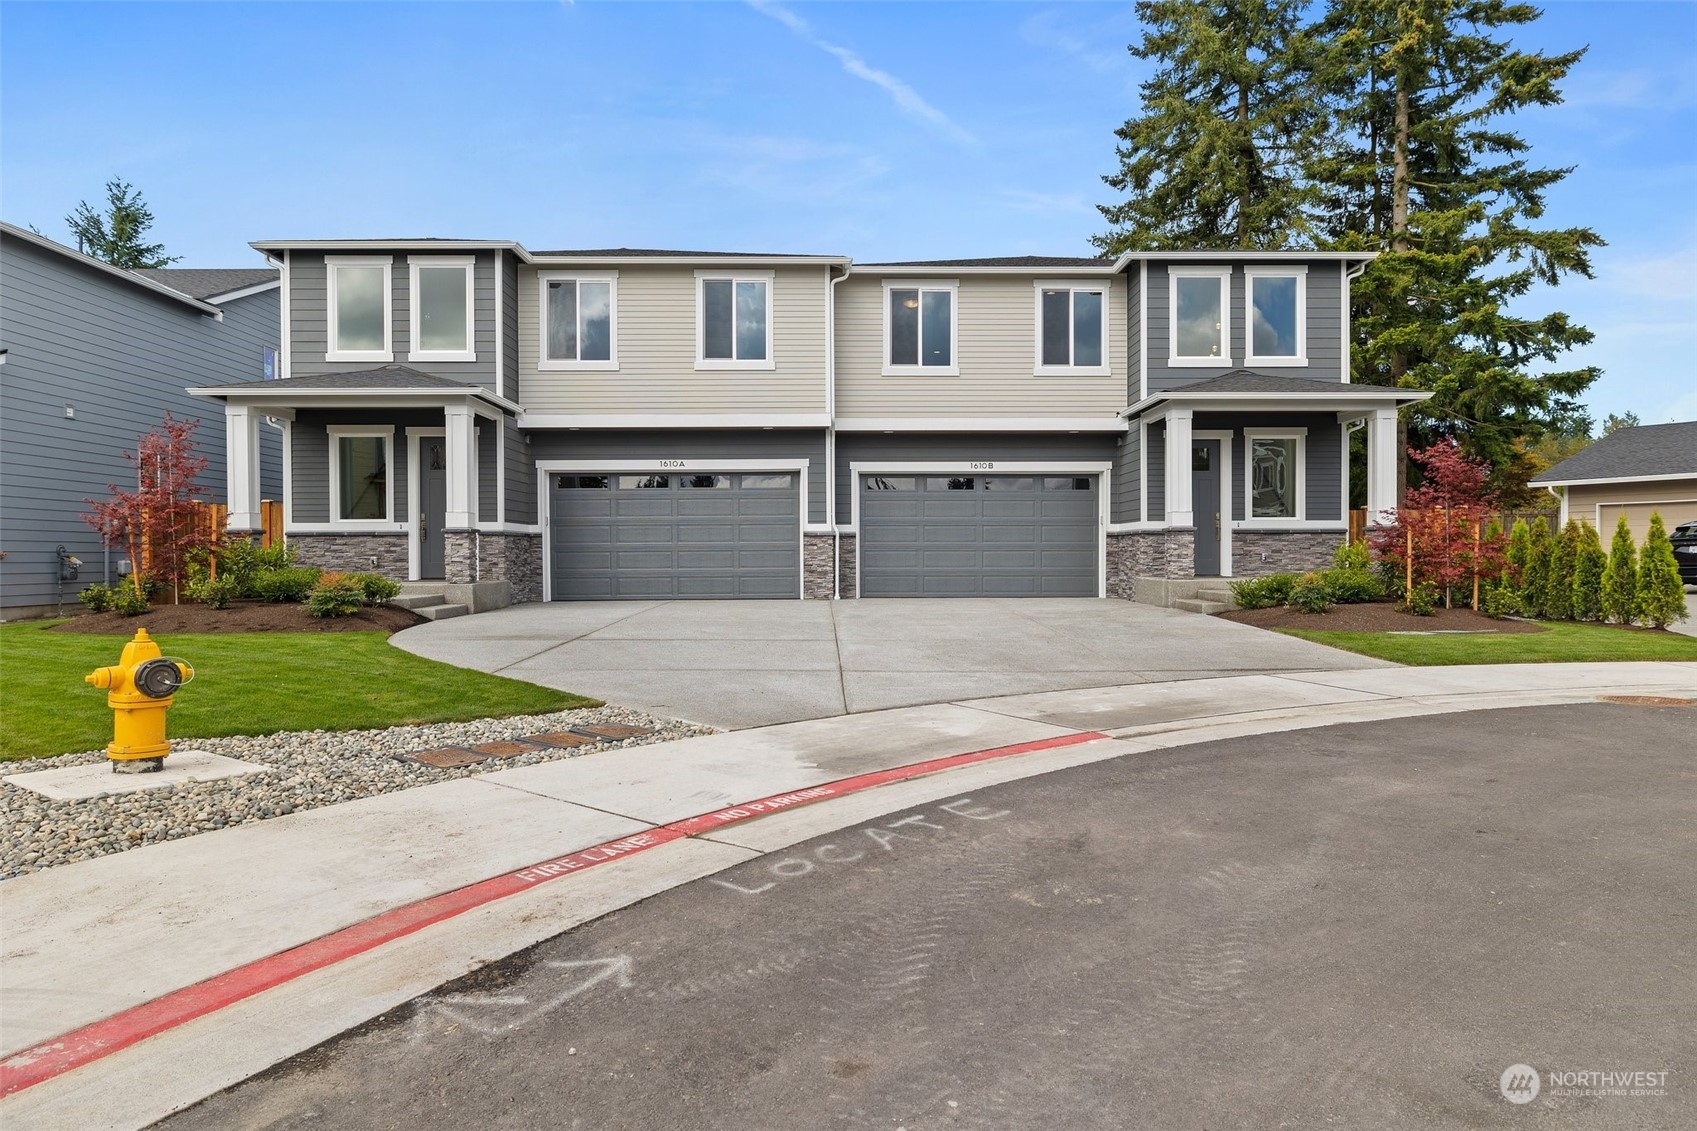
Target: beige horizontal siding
{"points": [[997, 342], [657, 352], [1603, 504]]}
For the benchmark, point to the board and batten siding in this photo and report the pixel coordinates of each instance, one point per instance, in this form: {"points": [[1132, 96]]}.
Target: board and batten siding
{"points": [[309, 319], [657, 343], [996, 340], [118, 357], [1324, 313]]}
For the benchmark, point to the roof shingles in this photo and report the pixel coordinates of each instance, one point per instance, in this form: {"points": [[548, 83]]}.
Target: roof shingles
{"points": [[1632, 453], [205, 282]]}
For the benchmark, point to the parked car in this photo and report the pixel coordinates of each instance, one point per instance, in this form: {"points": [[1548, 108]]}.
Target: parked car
{"points": [[1684, 539]]}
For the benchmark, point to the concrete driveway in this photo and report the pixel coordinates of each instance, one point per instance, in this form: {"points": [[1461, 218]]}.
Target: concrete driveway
{"points": [[740, 664]]}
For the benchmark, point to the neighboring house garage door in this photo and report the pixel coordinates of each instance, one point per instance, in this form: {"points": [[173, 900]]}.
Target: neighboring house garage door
{"points": [[632, 536], [979, 535]]}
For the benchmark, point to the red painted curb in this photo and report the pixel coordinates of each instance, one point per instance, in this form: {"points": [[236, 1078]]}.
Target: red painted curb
{"points": [[83, 1046]]}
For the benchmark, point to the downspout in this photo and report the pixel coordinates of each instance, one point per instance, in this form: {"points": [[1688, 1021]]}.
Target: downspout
{"points": [[831, 433]]}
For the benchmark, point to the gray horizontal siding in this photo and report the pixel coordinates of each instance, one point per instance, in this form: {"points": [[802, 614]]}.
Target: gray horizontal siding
{"points": [[1125, 503], [309, 320], [488, 469], [311, 470], [963, 447], [521, 477], [1323, 449], [1324, 314], [1156, 462], [728, 444], [1134, 335], [121, 357]]}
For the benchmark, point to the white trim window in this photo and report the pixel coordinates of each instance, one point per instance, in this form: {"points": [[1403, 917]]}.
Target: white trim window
{"points": [[920, 327], [1072, 328], [361, 310], [1200, 320], [1276, 302], [579, 319], [440, 290], [733, 316], [1275, 475], [361, 487]]}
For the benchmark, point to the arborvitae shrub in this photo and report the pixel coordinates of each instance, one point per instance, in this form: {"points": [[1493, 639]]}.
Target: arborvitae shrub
{"points": [[1534, 590], [1588, 575], [1558, 585], [1620, 577], [1661, 595]]}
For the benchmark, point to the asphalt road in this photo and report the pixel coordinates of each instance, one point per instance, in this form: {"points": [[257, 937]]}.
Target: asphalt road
{"points": [[1354, 927]]}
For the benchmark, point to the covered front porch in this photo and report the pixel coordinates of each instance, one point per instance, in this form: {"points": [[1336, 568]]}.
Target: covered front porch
{"points": [[390, 471], [1248, 474]]}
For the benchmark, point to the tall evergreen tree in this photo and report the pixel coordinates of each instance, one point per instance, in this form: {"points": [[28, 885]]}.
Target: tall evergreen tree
{"points": [[1535, 589], [1620, 577], [1661, 595], [1564, 561], [117, 234], [1588, 576], [1216, 157], [1425, 172]]}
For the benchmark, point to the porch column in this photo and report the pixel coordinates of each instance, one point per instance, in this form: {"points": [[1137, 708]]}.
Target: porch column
{"points": [[1382, 455], [1180, 509], [462, 467], [241, 466]]}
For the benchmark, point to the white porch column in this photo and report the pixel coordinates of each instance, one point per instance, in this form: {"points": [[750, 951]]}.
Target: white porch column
{"points": [[241, 466], [1180, 510], [462, 467], [1382, 455]]}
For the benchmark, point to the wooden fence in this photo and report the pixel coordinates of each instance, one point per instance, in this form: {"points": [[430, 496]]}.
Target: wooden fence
{"points": [[212, 519]]}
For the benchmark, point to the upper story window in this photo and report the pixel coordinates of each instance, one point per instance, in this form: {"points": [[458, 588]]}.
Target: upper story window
{"points": [[578, 312], [1201, 315], [360, 312], [734, 313], [919, 328], [441, 288], [1072, 328], [1278, 331]]}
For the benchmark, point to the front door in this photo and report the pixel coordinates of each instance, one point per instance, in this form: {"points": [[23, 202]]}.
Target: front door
{"points": [[1205, 497], [432, 505]]}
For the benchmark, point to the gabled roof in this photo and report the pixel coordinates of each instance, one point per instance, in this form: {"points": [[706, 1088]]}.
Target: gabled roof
{"points": [[1649, 451], [209, 282], [132, 278]]}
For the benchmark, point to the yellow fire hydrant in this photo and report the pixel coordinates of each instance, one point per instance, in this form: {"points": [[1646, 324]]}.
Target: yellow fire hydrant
{"points": [[139, 690]]}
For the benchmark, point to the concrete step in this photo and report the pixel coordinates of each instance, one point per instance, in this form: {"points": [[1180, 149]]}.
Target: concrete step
{"points": [[1216, 593], [417, 601], [1197, 606], [442, 612]]}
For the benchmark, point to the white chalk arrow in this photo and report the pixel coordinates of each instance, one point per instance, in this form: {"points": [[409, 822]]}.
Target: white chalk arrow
{"points": [[502, 1012]]}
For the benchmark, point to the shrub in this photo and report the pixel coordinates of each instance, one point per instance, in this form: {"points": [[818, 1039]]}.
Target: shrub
{"points": [[245, 562], [1534, 586], [1558, 582], [1661, 595], [1422, 600], [1620, 577], [1352, 586], [1517, 557], [216, 594], [1499, 601], [96, 598], [1352, 555], [378, 590], [1263, 592], [292, 583], [1309, 594], [127, 601], [336, 595], [1588, 575]]}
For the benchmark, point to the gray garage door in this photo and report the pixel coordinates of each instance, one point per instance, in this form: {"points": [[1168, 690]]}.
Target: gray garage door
{"points": [[675, 535], [979, 536]]}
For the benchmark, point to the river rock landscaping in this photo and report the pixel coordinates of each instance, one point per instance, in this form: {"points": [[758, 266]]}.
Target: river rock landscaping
{"points": [[307, 770]]}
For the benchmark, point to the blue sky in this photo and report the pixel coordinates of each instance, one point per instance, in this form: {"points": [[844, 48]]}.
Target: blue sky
{"points": [[874, 130]]}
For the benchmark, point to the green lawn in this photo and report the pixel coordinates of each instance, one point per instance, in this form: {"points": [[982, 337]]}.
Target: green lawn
{"points": [[1563, 643], [255, 683]]}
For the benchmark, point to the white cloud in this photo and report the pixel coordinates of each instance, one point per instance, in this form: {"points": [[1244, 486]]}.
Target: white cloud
{"points": [[900, 92], [1050, 203], [1667, 277]]}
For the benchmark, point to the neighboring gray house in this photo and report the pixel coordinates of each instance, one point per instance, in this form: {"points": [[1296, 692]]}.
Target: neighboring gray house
{"points": [[637, 423], [91, 358]]}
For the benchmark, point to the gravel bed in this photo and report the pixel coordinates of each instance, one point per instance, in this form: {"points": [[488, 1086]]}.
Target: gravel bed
{"points": [[308, 769]]}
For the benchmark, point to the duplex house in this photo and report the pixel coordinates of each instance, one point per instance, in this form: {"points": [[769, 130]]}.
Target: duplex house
{"points": [[91, 357], [633, 423]]}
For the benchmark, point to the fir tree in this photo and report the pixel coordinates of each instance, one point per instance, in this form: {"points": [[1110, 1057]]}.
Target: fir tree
{"points": [[1620, 577], [1534, 589], [1661, 595], [1588, 575], [1216, 157], [116, 236], [1424, 171], [1558, 586]]}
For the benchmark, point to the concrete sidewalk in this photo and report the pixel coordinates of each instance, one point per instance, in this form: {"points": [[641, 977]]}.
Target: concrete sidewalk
{"points": [[86, 941]]}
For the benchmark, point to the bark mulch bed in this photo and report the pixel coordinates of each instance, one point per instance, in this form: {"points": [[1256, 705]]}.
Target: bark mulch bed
{"points": [[241, 616], [1379, 616]]}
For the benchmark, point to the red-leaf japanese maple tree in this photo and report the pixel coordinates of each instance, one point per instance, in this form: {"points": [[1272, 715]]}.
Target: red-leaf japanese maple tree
{"points": [[159, 522], [1445, 520]]}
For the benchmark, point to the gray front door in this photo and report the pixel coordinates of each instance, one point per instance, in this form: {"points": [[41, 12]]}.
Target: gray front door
{"points": [[979, 535], [675, 535], [432, 505], [1205, 497]]}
